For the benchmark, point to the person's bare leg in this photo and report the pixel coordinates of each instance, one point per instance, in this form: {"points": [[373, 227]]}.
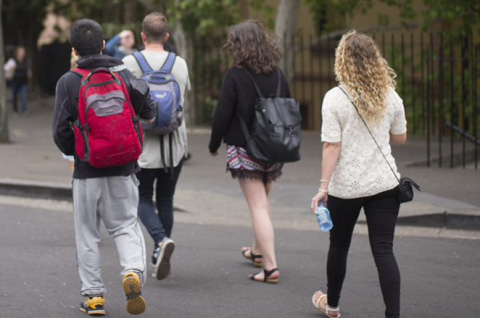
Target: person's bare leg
{"points": [[256, 195], [268, 189]]}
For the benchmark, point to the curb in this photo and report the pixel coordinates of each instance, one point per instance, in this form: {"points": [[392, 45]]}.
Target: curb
{"points": [[50, 191], [449, 220], [36, 190], [458, 158], [62, 192]]}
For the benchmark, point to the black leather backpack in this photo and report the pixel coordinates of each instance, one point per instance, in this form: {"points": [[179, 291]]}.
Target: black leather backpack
{"points": [[276, 130]]}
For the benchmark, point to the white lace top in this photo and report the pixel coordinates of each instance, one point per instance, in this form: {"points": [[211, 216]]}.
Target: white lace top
{"points": [[361, 169]]}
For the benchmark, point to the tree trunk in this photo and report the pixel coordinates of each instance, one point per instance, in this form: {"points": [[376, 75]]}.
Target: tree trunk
{"points": [[244, 9], [286, 24], [3, 100], [130, 12], [184, 47]]}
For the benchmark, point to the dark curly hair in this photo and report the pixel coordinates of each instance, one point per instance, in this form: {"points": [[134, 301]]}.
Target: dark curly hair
{"points": [[251, 47]]}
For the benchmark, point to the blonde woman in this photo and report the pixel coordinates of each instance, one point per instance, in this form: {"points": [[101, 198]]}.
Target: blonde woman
{"points": [[355, 175]]}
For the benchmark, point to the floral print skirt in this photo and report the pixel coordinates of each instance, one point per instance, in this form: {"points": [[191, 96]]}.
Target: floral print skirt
{"points": [[242, 166]]}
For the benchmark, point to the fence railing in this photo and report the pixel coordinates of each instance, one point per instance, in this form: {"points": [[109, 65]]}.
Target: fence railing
{"points": [[437, 78]]}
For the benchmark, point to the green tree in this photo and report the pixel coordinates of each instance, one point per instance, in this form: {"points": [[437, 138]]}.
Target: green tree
{"points": [[460, 16]]}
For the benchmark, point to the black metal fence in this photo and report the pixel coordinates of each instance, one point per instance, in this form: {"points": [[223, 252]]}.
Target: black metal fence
{"points": [[437, 80]]}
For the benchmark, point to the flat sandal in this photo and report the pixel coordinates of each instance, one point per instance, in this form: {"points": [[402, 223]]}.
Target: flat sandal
{"points": [[266, 277], [326, 310], [254, 258]]}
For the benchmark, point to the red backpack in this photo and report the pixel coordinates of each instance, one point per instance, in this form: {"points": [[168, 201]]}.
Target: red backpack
{"points": [[107, 131]]}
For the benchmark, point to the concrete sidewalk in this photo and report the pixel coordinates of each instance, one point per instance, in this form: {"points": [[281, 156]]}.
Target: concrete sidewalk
{"points": [[450, 197]]}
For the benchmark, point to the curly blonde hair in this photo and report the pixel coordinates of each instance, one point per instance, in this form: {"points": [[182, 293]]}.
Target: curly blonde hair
{"points": [[360, 67], [251, 47]]}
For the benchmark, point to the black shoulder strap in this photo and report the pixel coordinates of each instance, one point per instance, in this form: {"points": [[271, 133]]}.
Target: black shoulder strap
{"points": [[246, 132], [259, 93], [279, 85], [170, 167], [365, 123]]}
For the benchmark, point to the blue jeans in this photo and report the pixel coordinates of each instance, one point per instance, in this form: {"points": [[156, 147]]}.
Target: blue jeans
{"points": [[22, 89], [159, 225]]}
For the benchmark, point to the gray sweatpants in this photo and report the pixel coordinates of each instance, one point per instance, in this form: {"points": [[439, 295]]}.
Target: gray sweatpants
{"points": [[115, 201]]}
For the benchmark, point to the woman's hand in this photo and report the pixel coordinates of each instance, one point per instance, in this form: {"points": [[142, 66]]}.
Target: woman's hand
{"points": [[214, 154], [321, 196]]}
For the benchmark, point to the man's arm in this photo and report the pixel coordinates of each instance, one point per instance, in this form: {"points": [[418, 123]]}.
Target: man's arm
{"points": [[62, 117]]}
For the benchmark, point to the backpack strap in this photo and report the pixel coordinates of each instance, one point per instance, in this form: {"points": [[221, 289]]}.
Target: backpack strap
{"points": [[167, 167], [245, 130], [162, 154], [80, 72], [170, 145], [169, 62], [259, 93], [142, 62], [279, 87]]}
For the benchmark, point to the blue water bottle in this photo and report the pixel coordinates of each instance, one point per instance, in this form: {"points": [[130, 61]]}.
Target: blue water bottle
{"points": [[323, 218]]}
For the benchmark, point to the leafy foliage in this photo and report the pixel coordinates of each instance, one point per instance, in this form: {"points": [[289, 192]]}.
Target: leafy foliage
{"points": [[351, 7], [462, 15], [205, 19]]}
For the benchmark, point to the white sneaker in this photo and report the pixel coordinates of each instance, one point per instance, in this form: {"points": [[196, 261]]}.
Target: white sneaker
{"points": [[161, 268]]}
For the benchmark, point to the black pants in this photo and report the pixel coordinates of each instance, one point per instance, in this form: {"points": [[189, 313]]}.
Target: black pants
{"points": [[158, 225], [381, 211]]}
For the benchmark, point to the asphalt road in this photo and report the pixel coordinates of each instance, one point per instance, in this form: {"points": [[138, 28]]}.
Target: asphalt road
{"points": [[440, 277]]}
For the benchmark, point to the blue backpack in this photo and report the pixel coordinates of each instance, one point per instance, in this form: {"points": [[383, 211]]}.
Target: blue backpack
{"points": [[165, 91]]}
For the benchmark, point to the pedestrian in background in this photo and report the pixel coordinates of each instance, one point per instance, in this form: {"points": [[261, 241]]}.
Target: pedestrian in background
{"points": [[18, 73], [355, 174], [163, 154], [106, 193], [121, 45], [255, 60]]}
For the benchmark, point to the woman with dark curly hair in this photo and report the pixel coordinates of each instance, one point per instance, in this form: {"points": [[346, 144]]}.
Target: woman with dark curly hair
{"points": [[255, 60]]}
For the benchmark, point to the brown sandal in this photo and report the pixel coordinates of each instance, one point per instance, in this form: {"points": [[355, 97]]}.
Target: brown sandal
{"points": [[266, 277], [257, 260]]}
